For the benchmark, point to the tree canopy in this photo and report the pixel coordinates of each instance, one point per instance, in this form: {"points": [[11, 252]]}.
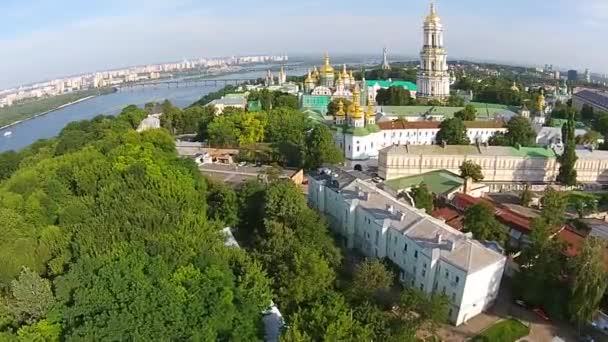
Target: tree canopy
{"points": [[479, 219], [453, 132], [468, 113]]}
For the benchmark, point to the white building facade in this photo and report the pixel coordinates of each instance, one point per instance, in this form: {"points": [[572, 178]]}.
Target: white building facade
{"points": [[431, 256], [433, 81], [365, 144], [501, 166]]}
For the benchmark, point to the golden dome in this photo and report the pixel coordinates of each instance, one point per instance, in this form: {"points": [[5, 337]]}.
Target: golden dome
{"points": [[327, 69], [370, 109], [514, 87], [432, 17], [344, 71], [351, 109], [340, 111], [340, 81]]}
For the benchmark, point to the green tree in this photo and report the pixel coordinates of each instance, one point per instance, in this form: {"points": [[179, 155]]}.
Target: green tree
{"points": [[9, 163], [526, 196], [321, 149], [371, 279], [287, 101], [423, 198], [421, 310], [468, 113], [452, 132], [32, 297], [498, 139], [567, 172], [539, 280], [554, 206], [327, 320], [470, 170], [583, 204], [222, 203], [223, 132], [590, 281], [590, 137], [394, 96], [520, 132], [480, 220]]}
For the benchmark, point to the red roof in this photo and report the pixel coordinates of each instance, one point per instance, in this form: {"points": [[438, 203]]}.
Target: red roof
{"points": [[404, 124], [505, 215], [451, 217], [445, 214], [575, 241], [463, 201], [514, 219]]}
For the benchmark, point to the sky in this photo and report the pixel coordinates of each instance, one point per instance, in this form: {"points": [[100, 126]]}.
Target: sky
{"points": [[42, 39]]}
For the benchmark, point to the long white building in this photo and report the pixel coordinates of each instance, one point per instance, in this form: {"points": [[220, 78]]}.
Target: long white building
{"points": [[361, 145], [432, 256], [503, 167]]}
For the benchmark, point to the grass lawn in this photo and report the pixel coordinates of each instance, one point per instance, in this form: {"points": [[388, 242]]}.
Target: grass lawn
{"points": [[509, 330]]}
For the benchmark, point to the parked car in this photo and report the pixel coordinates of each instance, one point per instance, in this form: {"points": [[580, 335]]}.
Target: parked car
{"points": [[521, 303], [540, 313]]}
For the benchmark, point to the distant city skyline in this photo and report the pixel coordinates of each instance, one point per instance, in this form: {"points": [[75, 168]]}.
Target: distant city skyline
{"points": [[44, 39]]}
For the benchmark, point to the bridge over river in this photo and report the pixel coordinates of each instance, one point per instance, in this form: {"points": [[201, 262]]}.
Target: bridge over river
{"points": [[183, 83]]}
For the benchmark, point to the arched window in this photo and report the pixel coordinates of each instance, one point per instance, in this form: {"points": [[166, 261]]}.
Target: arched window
{"points": [[434, 40]]}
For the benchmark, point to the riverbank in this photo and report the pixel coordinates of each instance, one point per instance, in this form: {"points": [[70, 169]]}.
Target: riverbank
{"points": [[47, 112], [21, 111]]}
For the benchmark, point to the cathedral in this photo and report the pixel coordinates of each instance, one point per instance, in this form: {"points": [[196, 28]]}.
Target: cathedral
{"points": [[433, 80]]}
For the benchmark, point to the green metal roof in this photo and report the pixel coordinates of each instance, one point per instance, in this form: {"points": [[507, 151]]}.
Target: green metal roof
{"points": [[318, 103], [254, 106], [534, 152], [439, 182], [387, 84], [235, 96], [447, 112], [472, 150], [561, 122]]}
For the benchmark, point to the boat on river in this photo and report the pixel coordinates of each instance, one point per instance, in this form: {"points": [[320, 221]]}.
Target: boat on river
{"points": [[8, 133]]}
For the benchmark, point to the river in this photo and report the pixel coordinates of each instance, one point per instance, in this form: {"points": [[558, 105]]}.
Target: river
{"points": [[49, 125]]}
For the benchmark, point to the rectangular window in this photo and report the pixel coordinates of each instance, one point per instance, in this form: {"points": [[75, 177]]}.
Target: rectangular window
{"points": [[424, 273], [415, 254], [421, 287], [405, 247], [457, 279], [395, 240], [447, 274], [377, 237]]}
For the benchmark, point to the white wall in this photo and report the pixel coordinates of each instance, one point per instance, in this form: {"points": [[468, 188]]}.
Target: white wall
{"points": [[480, 291]]}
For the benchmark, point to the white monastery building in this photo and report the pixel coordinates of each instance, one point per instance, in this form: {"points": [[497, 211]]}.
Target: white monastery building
{"points": [[432, 256]]}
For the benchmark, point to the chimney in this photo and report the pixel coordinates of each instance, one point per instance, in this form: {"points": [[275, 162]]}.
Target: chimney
{"points": [[451, 245], [390, 208]]}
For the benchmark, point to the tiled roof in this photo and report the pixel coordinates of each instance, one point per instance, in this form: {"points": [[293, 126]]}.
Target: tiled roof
{"points": [[403, 124], [485, 124], [530, 152], [573, 240], [467, 254]]}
